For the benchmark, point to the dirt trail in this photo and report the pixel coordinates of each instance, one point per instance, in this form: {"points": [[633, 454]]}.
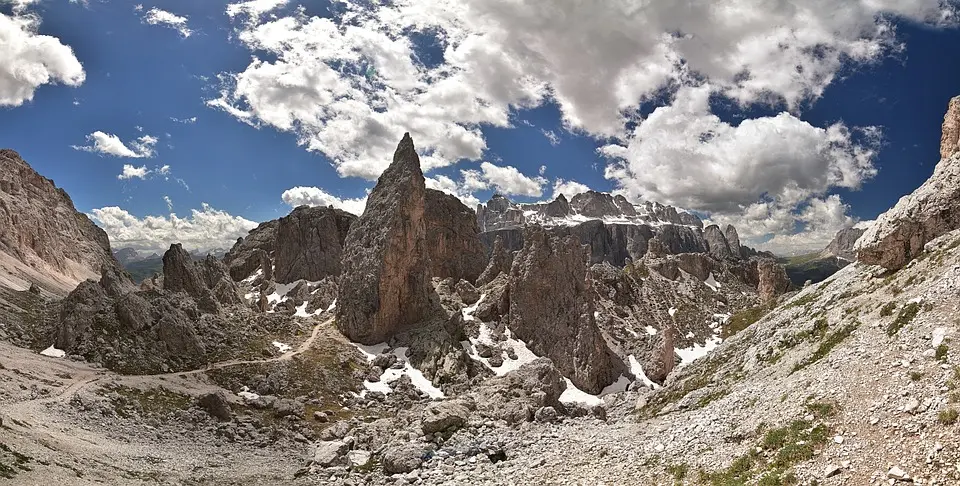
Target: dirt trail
{"points": [[84, 376]]}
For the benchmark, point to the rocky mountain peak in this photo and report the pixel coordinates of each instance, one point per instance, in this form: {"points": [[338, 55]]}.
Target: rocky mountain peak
{"points": [[43, 238], [385, 285], [950, 139], [843, 243], [900, 234]]}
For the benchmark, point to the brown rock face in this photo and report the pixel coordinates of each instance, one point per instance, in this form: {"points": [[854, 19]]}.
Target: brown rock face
{"points": [[900, 234], [453, 238], [950, 140], [385, 282], [773, 280], [180, 274], [253, 252], [552, 309], [309, 243], [43, 239]]}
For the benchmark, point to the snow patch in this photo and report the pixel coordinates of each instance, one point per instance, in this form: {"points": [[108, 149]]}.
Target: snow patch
{"points": [[253, 277], [697, 351], [575, 395], [283, 348], [468, 311], [672, 311], [246, 394], [651, 331], [712, 283], [637, 369], [333, 305], [302, 310], [524, 355], [53, 352], [393, 374]]}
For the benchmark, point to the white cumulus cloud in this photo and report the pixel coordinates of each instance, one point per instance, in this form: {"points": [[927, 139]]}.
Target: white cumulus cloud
{"points": [[314, 196], [109, 144], [510, 181], [205, 229], [568, 188], [29, 60], [156, 16]]}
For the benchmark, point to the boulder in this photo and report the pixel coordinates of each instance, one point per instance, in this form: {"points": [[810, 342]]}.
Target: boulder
{"points": [[453, 238], [552, 310], [446, 416], [402, 458], [359, 459], [309, 243], [216, 405], [329, 453], [385, 283], [900, 234]]}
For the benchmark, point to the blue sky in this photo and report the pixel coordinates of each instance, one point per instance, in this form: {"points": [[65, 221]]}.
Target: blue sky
{"points": [[235, 133]]}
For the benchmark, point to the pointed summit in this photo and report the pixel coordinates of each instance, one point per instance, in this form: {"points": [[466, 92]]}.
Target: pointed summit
{"points": [[385, 282]]}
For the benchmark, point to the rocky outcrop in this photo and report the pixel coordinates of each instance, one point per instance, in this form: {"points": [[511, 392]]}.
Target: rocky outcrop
{"points": [[181, 275], [843, 243], [733, 240], [950, 138], [552, 310], [453, 238], [43, 238], [558, 208], [500, 262], [716, 242], [773, 280], [385, 283], [309, 243], [900, 234], [498, 213], [253, 252]]}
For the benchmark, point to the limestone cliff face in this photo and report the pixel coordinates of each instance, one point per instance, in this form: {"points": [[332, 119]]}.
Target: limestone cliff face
{"points": [[43, 239], [900, 234], [385, 283], [843, 243], [716, 242], [309, 243], [950, 139], [733, 240], [773, 280], [453, 238], [552, 310]]}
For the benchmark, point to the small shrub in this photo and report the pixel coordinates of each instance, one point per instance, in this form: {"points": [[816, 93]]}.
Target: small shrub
{"points": [[941, 353], [948, 416], [906, 316], [822, 409], [915, 375], [678, 471], [888, 309]]}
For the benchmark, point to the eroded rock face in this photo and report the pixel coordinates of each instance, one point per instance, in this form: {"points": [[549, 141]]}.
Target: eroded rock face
{"points": [[50, 242], [900, 234], [309, 243], [733, 240], [181, 275], [843, 243], [552, 310], [453, 238], [773, 280], [950, 139], [716, 242], [500, 262], [253, 252], [385, 283]]}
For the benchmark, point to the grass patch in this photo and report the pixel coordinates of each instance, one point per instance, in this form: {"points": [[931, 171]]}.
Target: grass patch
{"points": [[948, 416], [915, 375], [678, 471], [130, 402], [827, 345], [887, 310], [743, 319], [906, 315], [770, 463]]}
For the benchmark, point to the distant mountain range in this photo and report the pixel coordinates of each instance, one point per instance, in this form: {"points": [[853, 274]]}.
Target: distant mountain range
{"points": [[142, 265]]}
